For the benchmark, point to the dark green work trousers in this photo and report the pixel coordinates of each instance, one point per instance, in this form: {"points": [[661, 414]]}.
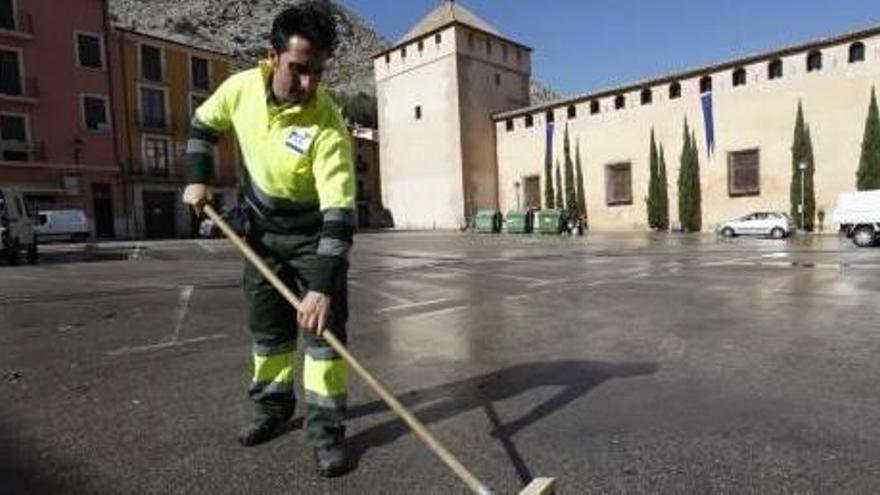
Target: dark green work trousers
{"points": [[272, 322]]}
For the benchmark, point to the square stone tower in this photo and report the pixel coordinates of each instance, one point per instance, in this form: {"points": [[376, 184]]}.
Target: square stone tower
{"points": [[437, 90]]}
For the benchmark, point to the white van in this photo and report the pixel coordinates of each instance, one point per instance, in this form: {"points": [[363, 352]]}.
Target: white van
{"points": [[16, 227], [858, 215], [62, 224]]}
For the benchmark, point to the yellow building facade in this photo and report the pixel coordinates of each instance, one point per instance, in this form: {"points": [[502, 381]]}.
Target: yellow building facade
{"points": [[157, 85]]}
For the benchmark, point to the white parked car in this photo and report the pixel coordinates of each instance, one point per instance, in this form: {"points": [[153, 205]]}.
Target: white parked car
{"points": [[766, 223], [62, 224], [857, 214], [16, 227]]}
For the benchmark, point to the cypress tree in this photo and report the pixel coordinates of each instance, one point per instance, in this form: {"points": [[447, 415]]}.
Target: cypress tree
{"points": [[684, 189], [802, 152], [868, 176], [653, 190], [559, 204], [581, 199], [689, 194], [662, 194], [697, 224], [570, 195]]}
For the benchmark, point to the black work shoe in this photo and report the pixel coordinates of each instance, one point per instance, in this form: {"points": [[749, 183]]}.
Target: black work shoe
{"points": [[332, 461], [262, 430]]}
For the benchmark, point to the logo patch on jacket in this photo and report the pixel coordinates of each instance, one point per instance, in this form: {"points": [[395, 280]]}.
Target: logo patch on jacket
{"points": [[299, 140]]}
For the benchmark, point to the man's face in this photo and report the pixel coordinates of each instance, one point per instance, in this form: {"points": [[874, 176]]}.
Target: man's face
{"points": [[297, 71]]}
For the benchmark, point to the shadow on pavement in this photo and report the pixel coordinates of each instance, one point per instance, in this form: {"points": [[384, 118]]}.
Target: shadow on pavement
{"points": [[575, 378]]}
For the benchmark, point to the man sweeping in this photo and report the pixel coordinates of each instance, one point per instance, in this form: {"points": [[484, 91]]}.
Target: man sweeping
{"points": [[299, 186]]}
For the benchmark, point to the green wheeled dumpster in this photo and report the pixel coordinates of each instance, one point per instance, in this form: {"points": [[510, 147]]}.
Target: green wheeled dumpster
{"points": [[519, 222], [488, 222], [550, 221]]}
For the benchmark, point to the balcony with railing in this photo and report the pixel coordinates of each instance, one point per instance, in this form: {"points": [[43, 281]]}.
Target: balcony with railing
{"points": [[21, 151], [19, 25], [23, 91]]}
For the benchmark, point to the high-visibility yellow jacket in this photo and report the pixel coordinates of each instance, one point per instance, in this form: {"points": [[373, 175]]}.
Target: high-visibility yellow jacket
{"points": [[298, 159]]}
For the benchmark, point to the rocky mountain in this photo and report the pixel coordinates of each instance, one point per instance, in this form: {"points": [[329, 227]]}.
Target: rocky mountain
{"points": [[241, 29]]}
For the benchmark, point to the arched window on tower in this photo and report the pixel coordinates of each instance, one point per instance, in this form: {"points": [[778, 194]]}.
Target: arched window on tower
{"points": [[857, 52], [675, 90], [739, 77], [774, 69], [814, 61], [706, 84]]}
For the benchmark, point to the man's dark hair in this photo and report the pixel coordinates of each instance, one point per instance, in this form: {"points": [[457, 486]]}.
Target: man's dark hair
{"points": [[311, 19]]}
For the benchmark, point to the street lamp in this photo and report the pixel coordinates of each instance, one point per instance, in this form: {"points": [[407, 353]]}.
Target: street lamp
{"points": [[803, 168]]}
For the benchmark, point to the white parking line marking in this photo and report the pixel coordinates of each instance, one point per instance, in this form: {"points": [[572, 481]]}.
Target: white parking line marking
{"points": [[185, 295], [496, 275], [400, 307], [776, 255], [429, 314], [165, 345]]}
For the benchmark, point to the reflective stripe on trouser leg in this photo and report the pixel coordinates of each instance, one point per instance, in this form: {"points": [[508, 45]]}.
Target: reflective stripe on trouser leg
{"points": [[325, 380], [272, 384]]}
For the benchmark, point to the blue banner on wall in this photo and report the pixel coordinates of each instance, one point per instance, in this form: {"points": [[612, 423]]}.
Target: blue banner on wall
{"points": [[708, 122]]}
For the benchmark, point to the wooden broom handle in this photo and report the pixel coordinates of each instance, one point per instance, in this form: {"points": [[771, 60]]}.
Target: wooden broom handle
{"points": [[417, 427]]}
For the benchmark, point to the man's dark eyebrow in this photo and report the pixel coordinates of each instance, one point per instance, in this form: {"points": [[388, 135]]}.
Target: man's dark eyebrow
{"points": [[304, 67]]}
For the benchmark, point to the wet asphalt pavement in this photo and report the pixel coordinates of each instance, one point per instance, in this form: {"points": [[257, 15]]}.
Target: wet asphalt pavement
{"points": [[617, 363]]}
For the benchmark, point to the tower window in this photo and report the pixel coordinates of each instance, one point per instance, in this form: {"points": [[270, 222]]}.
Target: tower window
{"points": [[488, 47], [706, 84], [550, 116], [814, 61], [572, 111], [619, 102], [739, 77], [438, 38], [675, 90], [857, 52], [403, 52], [774, 69], [509, 125], [530, 121], [647, 96], [387, 58], [418, 112], [421, 45], [594, 107]]}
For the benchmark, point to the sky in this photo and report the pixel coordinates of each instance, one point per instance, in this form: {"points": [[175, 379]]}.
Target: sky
{"points": [[586, 45]]}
